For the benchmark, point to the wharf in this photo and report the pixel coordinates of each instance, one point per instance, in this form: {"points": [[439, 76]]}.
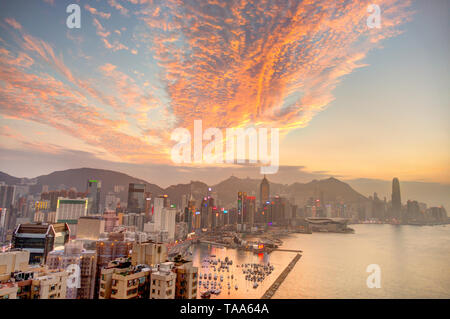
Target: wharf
{"points": [[273, 288]]}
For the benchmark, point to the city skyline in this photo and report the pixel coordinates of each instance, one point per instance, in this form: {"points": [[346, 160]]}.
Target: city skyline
{"points": [[95, 95]]}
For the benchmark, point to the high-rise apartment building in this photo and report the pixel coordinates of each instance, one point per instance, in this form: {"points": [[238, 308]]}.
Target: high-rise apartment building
{"points": [[109, 249], [120, 282], [163, 282], [93, 193], [187, 279], [136, 198]]}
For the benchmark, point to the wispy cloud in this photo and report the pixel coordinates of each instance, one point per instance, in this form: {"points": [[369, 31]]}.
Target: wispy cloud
{"points": [[228, 63], [94, 11]]}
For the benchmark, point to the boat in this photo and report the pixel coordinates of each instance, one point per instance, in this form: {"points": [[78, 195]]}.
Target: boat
{"points": [[209, 276], [221, 278], [206, 295], [255, 285], [236, 287]]}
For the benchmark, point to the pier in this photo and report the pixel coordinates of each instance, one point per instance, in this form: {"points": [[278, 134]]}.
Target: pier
{"points": [[288, 250], [273, 288]]}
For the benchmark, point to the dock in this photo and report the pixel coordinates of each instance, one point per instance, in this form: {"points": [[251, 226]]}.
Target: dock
{"points": [[273, 288], [288, 250]]}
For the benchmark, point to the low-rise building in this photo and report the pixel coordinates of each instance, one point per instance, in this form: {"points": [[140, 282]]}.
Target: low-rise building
{"points": [[163, 282], [8, 290], [120, 280], [51, 284]]}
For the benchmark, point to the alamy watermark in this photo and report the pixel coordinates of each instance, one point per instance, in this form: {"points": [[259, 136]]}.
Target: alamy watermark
{"points": [[235, 146], [74, 19], [374, 279], [74, 276], [374, 19]]}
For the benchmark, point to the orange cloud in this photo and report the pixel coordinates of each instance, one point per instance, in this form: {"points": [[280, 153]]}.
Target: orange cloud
{"points": [[261, 62], [228, 63], [12, 22], [96, 12]]}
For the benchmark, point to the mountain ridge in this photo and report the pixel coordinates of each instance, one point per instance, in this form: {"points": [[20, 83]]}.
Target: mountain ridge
{"points": [[331, 188]]}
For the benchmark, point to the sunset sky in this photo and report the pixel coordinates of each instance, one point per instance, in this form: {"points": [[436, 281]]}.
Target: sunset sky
{"points": [[350, 101]]}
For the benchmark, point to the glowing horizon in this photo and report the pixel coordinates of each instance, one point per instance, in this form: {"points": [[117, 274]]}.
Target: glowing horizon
{"points": [[136, 70]]}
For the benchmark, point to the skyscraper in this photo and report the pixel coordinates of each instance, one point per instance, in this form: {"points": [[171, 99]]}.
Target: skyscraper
{"points": [[264, 191], [93, 190], [396, 199], [136, 198], [69, 211]]}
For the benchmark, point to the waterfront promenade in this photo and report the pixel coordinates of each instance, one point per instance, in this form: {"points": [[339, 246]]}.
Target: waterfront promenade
{"points": [[273, 288]]}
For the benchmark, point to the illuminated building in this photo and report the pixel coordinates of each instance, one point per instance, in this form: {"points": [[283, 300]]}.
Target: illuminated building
{"points": [[70, 210]]}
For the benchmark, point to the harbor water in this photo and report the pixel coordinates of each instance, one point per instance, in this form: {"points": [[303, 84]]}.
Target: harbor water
{"points": [[414, 263]]}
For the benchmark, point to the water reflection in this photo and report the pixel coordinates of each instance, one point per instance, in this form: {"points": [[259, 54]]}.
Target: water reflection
{"points": [[245, 287], [414, 262]]}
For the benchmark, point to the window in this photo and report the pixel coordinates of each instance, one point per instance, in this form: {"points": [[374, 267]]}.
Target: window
{"points": [[113, 291], [169, 292], [103, 277], [131, 291], [102, 286], [114, 282]]}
